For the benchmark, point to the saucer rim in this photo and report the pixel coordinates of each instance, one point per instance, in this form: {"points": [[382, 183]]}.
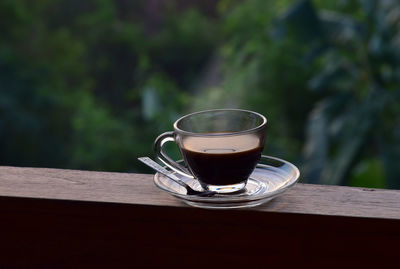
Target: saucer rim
{"points": [[190, 199]]}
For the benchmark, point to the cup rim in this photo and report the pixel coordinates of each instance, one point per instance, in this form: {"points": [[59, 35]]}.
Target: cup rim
{"points": [[262, 125]]}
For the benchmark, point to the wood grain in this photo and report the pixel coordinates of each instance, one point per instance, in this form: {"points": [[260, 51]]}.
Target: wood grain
{"points": [[52, 218], [140, 189]]}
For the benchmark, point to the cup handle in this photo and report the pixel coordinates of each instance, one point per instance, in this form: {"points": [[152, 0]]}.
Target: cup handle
{"points": [[164, 158]]}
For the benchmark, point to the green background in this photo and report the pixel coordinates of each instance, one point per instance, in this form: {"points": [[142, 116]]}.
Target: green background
{"points": [[90, 84]]}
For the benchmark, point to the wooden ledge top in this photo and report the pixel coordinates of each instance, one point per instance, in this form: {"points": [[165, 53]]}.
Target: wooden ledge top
{"points": [[139, 189]]}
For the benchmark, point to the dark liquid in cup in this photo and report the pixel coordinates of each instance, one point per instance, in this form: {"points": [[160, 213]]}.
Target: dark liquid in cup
{"points": [[222, 165]]}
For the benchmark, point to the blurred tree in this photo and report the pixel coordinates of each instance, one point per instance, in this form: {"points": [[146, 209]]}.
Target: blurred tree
{"points": [[78, 79], [262, 74], [326, 80], [357, 121], [90, 84]]}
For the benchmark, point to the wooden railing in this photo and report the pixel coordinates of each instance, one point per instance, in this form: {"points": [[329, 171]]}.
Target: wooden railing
{"points": [[53, 218]]}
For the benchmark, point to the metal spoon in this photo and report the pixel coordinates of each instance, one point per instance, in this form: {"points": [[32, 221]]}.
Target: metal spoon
{"points": [[189, 191]]}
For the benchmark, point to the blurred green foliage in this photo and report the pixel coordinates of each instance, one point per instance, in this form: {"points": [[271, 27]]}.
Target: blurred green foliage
{"points": [[90, 84]]}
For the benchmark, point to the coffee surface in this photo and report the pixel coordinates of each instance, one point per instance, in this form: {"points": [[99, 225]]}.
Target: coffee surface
{"points": [[222, 160]]}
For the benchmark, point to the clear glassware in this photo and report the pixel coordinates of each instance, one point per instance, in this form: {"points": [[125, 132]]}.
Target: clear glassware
{"points": [[220, 147]]}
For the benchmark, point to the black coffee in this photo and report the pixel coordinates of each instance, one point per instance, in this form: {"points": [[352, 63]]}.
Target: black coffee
{"points": [[222, 162]]}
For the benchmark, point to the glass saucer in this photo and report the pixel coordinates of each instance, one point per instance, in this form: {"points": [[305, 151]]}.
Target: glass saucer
{"points": [[271, 177]]}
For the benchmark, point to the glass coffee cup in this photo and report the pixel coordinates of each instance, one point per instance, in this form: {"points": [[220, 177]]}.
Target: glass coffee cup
{"points": [[220, 147]]}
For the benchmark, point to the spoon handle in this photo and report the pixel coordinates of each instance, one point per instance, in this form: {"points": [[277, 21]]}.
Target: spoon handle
{"points": [[189, 190], [149, 162]]}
